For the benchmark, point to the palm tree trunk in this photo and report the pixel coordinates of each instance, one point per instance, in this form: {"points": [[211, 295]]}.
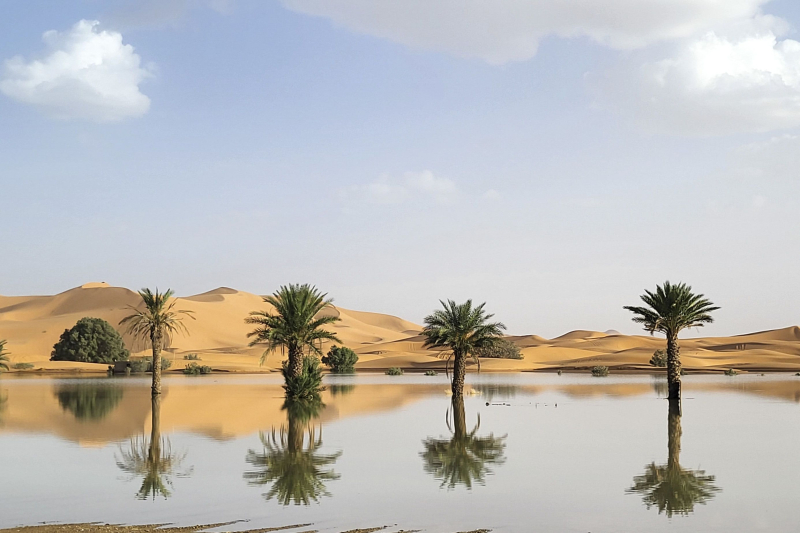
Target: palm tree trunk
{"points": [[459, 373], [295, 361], [673, 368], [674, 434], [155, 340]]}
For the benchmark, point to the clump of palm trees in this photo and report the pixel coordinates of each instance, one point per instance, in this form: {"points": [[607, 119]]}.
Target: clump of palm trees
{"points": [[156, 323]]}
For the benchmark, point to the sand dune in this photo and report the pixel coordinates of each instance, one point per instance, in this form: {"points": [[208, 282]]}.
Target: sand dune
{"points": [[218, 332]]}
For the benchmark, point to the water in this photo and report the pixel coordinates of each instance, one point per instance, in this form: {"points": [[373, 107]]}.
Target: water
{"points": [[566, 453]]}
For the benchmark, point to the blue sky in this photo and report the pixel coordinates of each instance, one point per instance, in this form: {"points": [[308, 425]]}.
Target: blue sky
{"points": [[552, 161]]}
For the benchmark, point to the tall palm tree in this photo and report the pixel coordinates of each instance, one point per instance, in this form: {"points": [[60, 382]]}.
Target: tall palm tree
{"points": [[3, 356], [463, 458], [462, 329], [153, 460], [291, 461], [670, 309], [295, 325], [670, 487], [156, 323]]}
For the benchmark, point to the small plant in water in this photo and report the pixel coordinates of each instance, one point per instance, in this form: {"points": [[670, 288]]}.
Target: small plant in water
{"points": [[431, 373], [22, 366], [560, 372], [731, 372], [600, 371], [192, 357], [193, 369], [659, 359], [307, 385], [394, 371]]}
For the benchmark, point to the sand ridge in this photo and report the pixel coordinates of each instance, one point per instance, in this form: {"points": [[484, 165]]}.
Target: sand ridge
{"points": [[218, 333]]}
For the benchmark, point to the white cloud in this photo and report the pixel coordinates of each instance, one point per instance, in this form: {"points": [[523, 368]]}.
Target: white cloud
{"points": [[87, 73], [501, 31], [412, 185], [717, 84]]}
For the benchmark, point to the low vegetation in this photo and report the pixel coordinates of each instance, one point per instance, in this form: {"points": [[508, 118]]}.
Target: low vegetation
{"points": [[192, 357], [145, 364], [731, 372], [90, 340], [193, 369], [3, 356], [340, 360], [306, 386], [600, 371], [431, 373], [22, 366], [500, 349], [659, 359], [394, 371]]}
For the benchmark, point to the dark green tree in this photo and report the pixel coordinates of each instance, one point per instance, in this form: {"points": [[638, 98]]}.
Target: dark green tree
{"points": [[89, 401], [3, 356], [156, 324], [90, 340], [670, 487], [464, 458], [340, 359], [153, 460], [295, 325], [291, 462], [463, 330], [670, 309], [500, 349]]}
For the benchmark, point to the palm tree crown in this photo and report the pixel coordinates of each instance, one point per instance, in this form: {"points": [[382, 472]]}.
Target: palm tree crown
{"points": [[159, 318], [672, 308], [461, 328], [3, 356], [295, 324]]}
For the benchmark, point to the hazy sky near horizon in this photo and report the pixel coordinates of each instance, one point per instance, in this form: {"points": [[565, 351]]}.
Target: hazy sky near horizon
{"points": [[553, 159]]}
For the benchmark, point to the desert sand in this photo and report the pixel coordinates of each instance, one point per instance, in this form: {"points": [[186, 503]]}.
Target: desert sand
{"points": [[32, 324]]}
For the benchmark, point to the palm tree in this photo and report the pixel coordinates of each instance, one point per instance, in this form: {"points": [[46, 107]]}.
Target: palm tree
{"points": [[669, 310], [157, 323], [290, 461], [463, 330], [295, 325], [671, 488], [464, 458], [3, 356], [153, 460]]}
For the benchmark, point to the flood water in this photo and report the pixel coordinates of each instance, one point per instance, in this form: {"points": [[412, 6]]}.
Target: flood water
{"points": [[526, 452]]}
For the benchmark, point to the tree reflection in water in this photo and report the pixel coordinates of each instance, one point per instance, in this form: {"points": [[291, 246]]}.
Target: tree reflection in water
{"points": [[3, 404], [463, 459], [291, 461], [87, 401], [671, 488], [153, 460]]}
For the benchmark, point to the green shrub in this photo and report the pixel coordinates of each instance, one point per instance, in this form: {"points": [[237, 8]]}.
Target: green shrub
{"points": [[307, 385], [560, 372], [659, 359], [340, 359], [731, 372], [91, 340], [600, 371], [145, 364], [394, 371], [431, 373], [500, 349], [22, 366], [193, 369], [192, 357]]}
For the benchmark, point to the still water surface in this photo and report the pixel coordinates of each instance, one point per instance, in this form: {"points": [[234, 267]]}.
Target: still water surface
{"points": [[527, 452]]}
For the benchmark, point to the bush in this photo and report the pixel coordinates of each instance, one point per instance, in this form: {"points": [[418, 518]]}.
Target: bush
{"points": [[22, 366], [431, 373], [340, 359], [307, 385], [731, 372], [394, 371], [192, 357], [91, 340], [500, 349], [659, 359], [193, 369], [145, 364], [600, 371]]}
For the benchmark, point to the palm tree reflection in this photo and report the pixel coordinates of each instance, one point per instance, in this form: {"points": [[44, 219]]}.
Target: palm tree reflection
{"points": [[670, 487], [291, 461], [464, 458], [153, 460], [3, 404]]}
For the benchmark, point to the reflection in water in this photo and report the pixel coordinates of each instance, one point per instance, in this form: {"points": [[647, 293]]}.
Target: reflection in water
{"points": [[490, 391], [341, 389], [3, 404], [291, 460], [464, 458], [153, 461], [660, 386], [89, 401], [671, 488]]}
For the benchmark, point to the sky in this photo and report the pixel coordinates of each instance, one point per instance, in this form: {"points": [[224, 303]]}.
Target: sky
{"points": [[552, 159]]}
